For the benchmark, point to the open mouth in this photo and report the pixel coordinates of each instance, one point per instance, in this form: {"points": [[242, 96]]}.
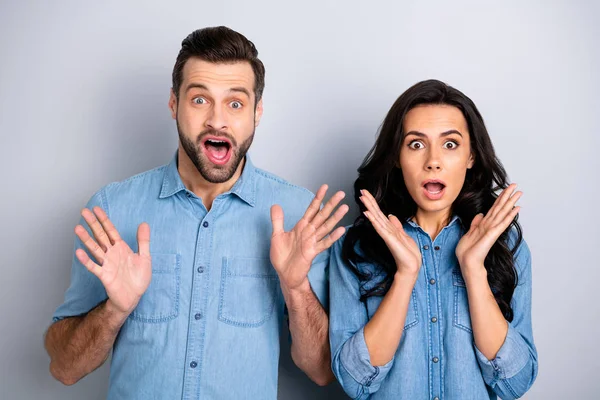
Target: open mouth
{"points": [[434, 189], [217, 149]]}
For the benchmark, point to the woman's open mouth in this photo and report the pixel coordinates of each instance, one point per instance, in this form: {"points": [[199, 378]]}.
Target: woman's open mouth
{"points": [[217, 149], [434, 189]]}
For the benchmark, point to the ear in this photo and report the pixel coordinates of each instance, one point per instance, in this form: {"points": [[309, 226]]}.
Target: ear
{"points": [[258, 113], [173, 104], [471, 161]]}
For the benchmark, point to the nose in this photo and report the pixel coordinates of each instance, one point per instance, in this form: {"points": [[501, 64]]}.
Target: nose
{"points": [[216, 119], [433, 162]]}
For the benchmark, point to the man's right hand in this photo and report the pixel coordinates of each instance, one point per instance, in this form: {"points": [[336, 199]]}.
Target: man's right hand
{"points": [[124, 274]]}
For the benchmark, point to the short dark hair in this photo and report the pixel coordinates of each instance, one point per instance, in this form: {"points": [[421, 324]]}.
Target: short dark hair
{"points": [[219, 45]]}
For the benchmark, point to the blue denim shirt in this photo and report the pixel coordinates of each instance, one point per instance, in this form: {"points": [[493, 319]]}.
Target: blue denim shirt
{"points": [[437, 357], [208, 325]]}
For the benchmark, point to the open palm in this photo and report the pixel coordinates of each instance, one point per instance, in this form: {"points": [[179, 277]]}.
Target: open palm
{"points": [[125, 275], [292, 252]]}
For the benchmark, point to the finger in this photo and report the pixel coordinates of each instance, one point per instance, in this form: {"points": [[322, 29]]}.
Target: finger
{"points": [[331, 239], [324, 213], [97, 230], [507, 208], [396, 223], [88, 263], [476, 221], [143, 238], [89, 243], [372, 206], [501, 200], [277, 219], [331, 222], [109, 228], [379, 228], [315, 204]]}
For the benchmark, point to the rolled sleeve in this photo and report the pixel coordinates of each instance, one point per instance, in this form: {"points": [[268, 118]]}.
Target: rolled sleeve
{"points": [[356, 361], [350, 359]]}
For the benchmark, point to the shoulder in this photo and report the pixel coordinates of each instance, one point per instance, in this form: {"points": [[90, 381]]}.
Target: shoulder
{"points": [[131, 189]]}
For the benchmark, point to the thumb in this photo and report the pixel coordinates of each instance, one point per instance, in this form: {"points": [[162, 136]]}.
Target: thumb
{"points": [[476, 221], [143, 238], [277, 219], [396, 222]]}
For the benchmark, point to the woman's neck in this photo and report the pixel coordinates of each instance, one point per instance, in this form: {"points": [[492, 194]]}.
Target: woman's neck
{"points": [[433, 222]]}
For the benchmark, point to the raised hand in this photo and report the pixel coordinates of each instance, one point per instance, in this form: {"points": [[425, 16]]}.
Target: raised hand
{"points": [[403, 248], [124, 274], [293, 252], [474, 246]]}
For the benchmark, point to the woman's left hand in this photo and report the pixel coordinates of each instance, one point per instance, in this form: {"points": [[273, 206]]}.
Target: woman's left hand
{"points": [[474, 246]]}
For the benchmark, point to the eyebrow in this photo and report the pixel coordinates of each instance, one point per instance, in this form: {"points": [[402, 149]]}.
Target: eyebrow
{"points": [[443, 134], [237, 89]]}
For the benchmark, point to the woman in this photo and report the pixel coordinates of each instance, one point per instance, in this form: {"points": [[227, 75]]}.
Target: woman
{"points": [[431, 287]]}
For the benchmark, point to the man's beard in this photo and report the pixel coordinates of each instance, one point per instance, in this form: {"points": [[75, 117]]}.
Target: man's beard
{"points": [[209, 171]]}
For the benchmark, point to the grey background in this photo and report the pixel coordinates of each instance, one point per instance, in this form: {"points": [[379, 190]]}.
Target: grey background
{"points": [[83, 102]]}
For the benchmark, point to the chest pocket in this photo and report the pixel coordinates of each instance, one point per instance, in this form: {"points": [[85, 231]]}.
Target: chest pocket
{"points": [[248, 293], [462, 316], [160, 302], [412, 315]]}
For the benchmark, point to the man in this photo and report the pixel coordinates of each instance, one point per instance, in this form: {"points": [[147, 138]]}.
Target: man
{"points": [[196, 312]]}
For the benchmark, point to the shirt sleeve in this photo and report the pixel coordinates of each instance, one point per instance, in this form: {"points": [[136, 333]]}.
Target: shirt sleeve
{"points": [[351, 361], [514, 369], [85, 291]]}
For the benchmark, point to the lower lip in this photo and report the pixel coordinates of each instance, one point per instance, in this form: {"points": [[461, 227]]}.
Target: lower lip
{"points": [[217, 161], [434, 196]]}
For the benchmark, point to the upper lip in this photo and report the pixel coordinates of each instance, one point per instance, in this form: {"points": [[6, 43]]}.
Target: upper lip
{"points": [[434, 181], [217, 139]]}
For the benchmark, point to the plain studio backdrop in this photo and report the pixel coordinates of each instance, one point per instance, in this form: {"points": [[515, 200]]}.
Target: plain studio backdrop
{"points": [[83, 102]]}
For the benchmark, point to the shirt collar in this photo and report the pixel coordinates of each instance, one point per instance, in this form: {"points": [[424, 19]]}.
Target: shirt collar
{"points": [[244, 187]]}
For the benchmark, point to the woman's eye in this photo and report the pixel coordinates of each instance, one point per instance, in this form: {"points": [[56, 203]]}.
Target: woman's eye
{"points": [[416, 145], [450, 145]]}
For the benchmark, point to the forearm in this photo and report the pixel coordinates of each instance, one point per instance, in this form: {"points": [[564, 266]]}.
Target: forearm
{"points": [[384, 331], [79, 345], [309, 328], [489, 325]]}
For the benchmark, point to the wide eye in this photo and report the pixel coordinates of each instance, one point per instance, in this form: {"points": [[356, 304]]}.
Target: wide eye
{"points": [[416, 145], [450, 145], [235, 105], [199, 100]]}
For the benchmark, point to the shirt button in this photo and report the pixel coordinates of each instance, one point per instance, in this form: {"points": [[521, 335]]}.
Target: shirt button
{"points": [[200, 270], [432, 281], [205, 224], [435, 359], [434, 320], [425, 247], [188, 194], [437, 247], [198, 316], [193, 364], [436, 398]]}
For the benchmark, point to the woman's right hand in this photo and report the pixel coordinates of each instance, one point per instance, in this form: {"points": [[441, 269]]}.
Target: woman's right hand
{"points": [[403, 248]]}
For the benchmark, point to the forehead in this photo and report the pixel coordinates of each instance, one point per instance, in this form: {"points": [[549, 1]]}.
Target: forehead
{"points": [[434, 119], [218, 75]]}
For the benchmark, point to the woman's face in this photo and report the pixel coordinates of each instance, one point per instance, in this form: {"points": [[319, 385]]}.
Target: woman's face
{"points": [[435, 155]]}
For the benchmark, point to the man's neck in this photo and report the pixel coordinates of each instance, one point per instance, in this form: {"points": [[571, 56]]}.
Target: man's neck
{"points": [[195, 182]]}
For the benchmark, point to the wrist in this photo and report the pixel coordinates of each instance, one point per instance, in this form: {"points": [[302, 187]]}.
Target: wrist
{"points": [[116, 316], [474, 273]]}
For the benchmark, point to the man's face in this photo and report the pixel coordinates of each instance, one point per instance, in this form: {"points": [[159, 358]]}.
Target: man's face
{"points": [[216, 116]]}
